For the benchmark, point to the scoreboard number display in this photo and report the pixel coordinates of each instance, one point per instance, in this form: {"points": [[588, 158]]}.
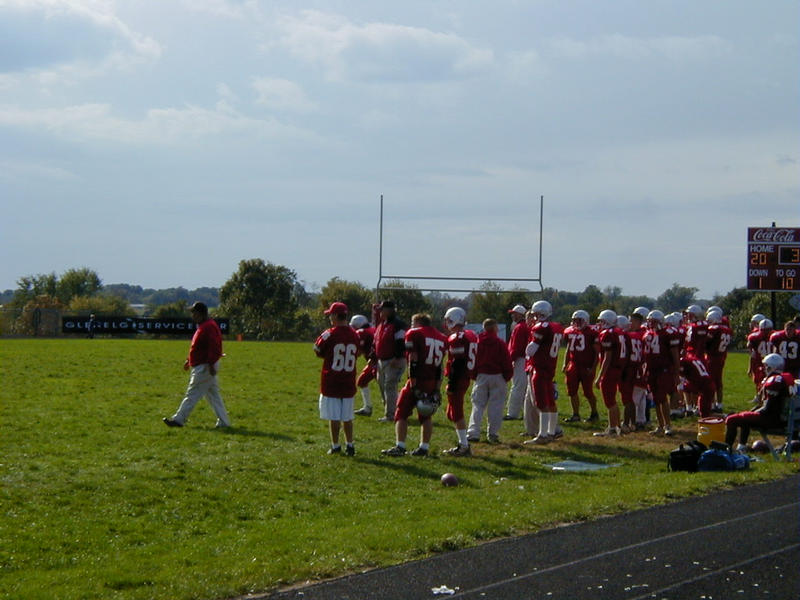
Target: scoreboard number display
{"points": [[773, 259]]}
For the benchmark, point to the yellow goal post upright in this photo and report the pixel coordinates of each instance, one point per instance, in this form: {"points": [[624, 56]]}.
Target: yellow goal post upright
{"points": [[387, 282]]}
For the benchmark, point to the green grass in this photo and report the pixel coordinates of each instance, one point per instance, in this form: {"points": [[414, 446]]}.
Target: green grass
{"points": [[100, 500]]}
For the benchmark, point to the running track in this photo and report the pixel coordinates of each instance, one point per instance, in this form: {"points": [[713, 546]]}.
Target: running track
{"points": [[742, 544]]}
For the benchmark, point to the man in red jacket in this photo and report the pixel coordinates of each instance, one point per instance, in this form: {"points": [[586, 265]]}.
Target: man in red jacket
{"points": [[203, 360], [492, 372], [516, 348]]}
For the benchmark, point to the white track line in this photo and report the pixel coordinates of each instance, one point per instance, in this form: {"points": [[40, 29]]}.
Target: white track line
{"points": [[618, 550], [717, 572]]}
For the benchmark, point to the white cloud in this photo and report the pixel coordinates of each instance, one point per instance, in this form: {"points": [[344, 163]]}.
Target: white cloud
{"points": [[95, 122], [281, 94], [377, 52], [676, 48]]}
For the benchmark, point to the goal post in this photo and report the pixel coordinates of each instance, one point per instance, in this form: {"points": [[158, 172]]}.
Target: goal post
{"points": [[448, 283]]}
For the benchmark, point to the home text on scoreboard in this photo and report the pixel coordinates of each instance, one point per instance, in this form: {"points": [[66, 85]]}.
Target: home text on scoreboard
{"points": [[773, 259]]}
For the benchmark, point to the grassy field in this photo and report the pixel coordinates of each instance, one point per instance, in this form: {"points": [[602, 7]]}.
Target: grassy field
{"points": [[101, 500]]}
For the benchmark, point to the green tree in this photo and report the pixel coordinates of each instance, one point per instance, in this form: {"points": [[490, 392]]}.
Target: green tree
{"points": [[177, 309], [78, 282], [407, 297], [357, 297], [30, 287], [101, 304], [676, 298], [259, 300], [492, 302]]}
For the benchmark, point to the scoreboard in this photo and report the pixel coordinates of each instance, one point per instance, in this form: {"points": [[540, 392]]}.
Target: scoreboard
{"points": [[773, 259]]}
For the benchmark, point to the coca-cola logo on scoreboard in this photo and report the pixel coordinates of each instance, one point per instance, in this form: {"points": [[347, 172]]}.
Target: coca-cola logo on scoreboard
{"points": [[774, 236]]}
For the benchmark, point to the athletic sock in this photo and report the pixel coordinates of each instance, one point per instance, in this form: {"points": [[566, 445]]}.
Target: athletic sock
{"points": [[401, 445], [424, 446], [462, 437]]}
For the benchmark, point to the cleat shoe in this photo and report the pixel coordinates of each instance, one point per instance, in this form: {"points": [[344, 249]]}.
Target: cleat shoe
{"points": [[573, 419], [473, 440], [510, 418], [364, 411], [606, 432], [668, 431], [171, 422], [385, 420], [350, 451], [539, 440], [592, 418], [458, 451], [394, 451], [493, 438], [335, 450], [558, 434], [419, 451], [657, 431]]}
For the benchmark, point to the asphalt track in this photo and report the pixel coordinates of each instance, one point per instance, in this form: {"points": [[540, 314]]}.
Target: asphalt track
{"points": [[742, 543]]}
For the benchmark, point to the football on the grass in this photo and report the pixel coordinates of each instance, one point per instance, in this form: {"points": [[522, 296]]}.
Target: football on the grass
{"points": [[449, 480]]}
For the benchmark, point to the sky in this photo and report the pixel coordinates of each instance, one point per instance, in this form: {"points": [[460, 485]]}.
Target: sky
{"points": [[160, 143]]}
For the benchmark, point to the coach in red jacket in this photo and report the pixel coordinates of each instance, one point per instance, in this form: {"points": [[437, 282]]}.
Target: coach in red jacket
{"points": [[493, 370]]}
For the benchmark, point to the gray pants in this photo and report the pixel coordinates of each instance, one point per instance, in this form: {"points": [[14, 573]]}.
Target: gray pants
{"points": [[519, 386], [530, 411], [202, 383], [488, 394], [389, 374]]}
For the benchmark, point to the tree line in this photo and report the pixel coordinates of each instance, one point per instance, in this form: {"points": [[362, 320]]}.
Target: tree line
{"points": [[265, 301]]}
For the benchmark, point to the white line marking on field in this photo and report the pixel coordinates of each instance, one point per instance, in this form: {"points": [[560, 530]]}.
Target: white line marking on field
{"points": [[622, 549]]}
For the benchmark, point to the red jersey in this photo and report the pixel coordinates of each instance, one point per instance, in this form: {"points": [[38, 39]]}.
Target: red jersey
{"points": [[789, 348], [338, 347], [775, 390], [366, 337], [389, 336], [206, 347], [581, 346], [719, 338], [759, 346], [636, 357], [493, 357], [462, 353], [520, 336], [614, 340], [425, 348], [548, 336], [658, 344], [695, 339]]}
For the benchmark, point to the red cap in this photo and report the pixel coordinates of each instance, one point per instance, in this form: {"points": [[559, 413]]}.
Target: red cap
{"points": [[337, 308]]}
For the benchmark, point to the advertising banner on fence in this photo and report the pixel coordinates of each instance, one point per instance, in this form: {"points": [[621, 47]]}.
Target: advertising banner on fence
{"points": [[172, 326]]}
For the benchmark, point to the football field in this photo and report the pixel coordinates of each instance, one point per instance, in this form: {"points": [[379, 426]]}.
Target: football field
{"points": [[101, 500]]}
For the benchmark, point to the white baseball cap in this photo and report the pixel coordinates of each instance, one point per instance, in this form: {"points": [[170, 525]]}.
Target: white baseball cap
{"points": [[519, 309]]}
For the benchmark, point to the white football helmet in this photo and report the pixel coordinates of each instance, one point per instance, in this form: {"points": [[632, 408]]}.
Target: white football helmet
{"points": [[765, 324], [714, 316], [756, 319], [641, 311], [674, 318], [655, 318], [714, 308], [695, 310], [542, 308], [581, 316], [358, 321], [607, 318], [455, 316], [623, 322], [773, 363]]}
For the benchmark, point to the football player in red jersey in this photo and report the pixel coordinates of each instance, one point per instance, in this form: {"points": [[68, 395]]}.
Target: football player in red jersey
{"points": [[366, 336], [696, 332], [719, 338], [520, 336], [759, 346], [462, 348], [580, 361], [338, 347], [425, 347], [775, 389], [634, 384], [543, 351], [662, 359], [787, 343], [613, 359]]}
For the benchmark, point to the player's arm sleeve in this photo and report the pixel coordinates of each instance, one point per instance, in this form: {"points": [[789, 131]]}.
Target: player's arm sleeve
{"points": [[531, 349]]}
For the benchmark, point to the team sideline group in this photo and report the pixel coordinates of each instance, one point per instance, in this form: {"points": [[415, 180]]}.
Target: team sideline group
{"points": [[671, 363]]}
